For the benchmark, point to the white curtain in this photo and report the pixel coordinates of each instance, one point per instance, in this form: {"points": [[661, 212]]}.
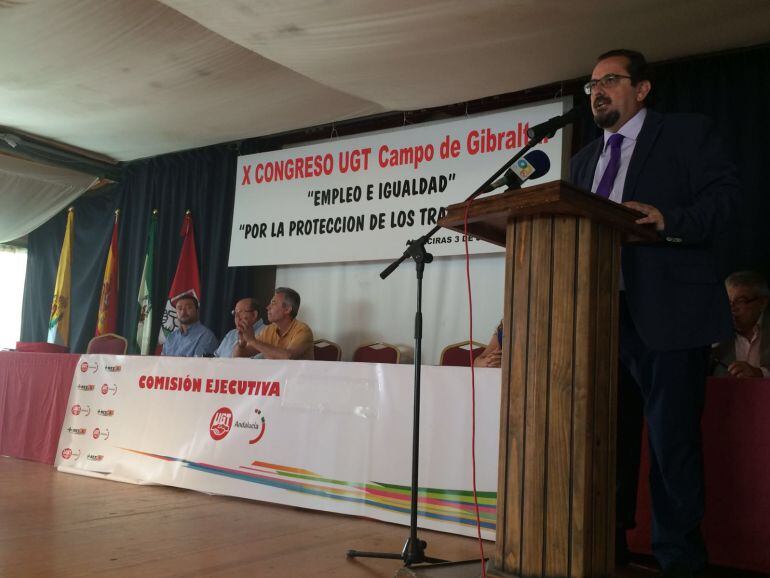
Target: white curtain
{"points": [[32, 193], [350, 305]]}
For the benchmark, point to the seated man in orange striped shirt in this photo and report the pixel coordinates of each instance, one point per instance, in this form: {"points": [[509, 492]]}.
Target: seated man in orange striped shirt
{"points": [[285, 338]]}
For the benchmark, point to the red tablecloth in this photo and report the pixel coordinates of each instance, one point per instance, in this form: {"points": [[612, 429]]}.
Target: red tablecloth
{"points": [[736, 448], [34, 389]]}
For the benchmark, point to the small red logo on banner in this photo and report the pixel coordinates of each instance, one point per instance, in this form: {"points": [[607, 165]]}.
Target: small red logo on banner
{"points": [[66, 453], [85, 366], [76, 409], [221, 422]]}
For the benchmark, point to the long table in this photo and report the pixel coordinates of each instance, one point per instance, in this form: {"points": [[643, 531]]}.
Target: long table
{"points": [[34, 391]]}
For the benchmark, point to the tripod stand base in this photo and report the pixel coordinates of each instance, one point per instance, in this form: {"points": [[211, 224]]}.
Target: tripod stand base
{"points": [[465, 569], [413, 553]]}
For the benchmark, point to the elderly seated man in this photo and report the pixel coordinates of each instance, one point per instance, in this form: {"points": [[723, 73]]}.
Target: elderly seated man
{"points": [[748, 354], [285, 338], [191, 338], [247, 311]]}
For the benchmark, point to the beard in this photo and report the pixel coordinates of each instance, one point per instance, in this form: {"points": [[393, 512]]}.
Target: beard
{"points": [[606, 119]]}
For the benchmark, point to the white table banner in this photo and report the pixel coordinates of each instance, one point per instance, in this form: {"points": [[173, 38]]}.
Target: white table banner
{"points": [[321, 435]]}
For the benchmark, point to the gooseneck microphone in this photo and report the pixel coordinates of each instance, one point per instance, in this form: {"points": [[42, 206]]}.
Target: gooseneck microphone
{"points": [[532, 165], [549, 127]]}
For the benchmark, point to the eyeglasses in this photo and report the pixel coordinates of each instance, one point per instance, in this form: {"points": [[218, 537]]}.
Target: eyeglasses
{"points": [[235, 312], [741, 301], [606, 81]]}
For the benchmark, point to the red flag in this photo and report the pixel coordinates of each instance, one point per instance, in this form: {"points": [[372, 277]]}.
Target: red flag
{"points": [[186, 280], [107, 320]]}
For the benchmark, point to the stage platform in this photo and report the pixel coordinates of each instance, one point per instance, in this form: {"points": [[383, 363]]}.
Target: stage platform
{"points": [[63, 525]]}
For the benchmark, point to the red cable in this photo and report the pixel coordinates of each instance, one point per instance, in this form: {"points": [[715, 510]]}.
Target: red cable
{"points": [[473, 386]]}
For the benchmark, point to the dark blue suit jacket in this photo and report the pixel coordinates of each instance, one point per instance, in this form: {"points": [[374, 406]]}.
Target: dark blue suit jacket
{"points": [[674, 293]]}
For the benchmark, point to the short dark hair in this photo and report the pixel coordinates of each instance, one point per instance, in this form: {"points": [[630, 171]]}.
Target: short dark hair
{"points": [[189, 296], [291, 297], [637, 63], [749, 279]]}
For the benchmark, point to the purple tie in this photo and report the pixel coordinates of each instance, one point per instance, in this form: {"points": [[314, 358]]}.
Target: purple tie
{"points": [[608, 178]]}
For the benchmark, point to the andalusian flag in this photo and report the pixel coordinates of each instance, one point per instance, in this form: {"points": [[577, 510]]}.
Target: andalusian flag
{"points": [[144, 324], [186, 280], [59, 325], [107, 320]]}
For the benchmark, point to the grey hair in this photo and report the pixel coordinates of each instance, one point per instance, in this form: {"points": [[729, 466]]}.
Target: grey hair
{"points": [[291, 297], [749, 279]]}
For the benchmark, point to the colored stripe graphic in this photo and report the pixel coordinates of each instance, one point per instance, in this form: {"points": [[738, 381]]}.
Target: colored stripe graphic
{"points": [[448, 505]]}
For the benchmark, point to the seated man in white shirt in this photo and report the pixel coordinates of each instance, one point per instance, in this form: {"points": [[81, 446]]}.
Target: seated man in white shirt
{"points": [[246, 311], [748, 355]]}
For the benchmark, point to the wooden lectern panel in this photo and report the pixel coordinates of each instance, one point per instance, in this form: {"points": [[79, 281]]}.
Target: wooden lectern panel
{"points": [[556, 478]]}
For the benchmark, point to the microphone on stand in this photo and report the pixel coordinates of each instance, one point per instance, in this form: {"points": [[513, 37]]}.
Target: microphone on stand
{"points": [[532, 165], [549, 127]]}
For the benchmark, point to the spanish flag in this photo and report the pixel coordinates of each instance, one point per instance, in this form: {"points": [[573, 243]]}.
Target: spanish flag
{"points": [[59, 324], [107, 320]]}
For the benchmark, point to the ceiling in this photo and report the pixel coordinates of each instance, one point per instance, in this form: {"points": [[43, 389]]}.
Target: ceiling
{"points": [[135, 78]]}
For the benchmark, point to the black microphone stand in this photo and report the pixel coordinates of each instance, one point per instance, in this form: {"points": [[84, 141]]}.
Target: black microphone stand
{"points": [[413, 551]]}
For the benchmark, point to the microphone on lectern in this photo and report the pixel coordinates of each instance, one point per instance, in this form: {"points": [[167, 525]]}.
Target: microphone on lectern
{"points": [[532, 165]]}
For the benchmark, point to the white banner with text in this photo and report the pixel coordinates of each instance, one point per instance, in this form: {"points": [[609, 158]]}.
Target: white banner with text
{"points": [[313, 434], [362, 198]]}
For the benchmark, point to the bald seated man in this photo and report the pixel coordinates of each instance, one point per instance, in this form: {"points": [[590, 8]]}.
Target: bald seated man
{"points": [[246, 310]]}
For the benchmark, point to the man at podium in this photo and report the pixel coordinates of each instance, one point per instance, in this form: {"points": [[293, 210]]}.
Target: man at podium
{"points": [[673, 306]]}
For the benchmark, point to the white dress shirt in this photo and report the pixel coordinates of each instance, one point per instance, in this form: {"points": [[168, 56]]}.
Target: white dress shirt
{"points": [[748, 349]]}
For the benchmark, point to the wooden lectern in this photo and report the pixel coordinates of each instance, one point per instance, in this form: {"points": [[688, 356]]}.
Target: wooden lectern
{"points": [[556, 479]]}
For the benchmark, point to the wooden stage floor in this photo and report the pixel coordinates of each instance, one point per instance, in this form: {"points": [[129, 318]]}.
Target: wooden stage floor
{"points": [[55, 524], [62, 525]]}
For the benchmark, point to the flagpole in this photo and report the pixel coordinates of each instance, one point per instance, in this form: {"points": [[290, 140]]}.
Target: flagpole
{"points": [[143, 333], [58, 324], [107, 316]]}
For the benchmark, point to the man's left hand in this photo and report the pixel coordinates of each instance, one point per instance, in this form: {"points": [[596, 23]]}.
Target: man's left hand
{"points": [[652, 215], [743, 369]]}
